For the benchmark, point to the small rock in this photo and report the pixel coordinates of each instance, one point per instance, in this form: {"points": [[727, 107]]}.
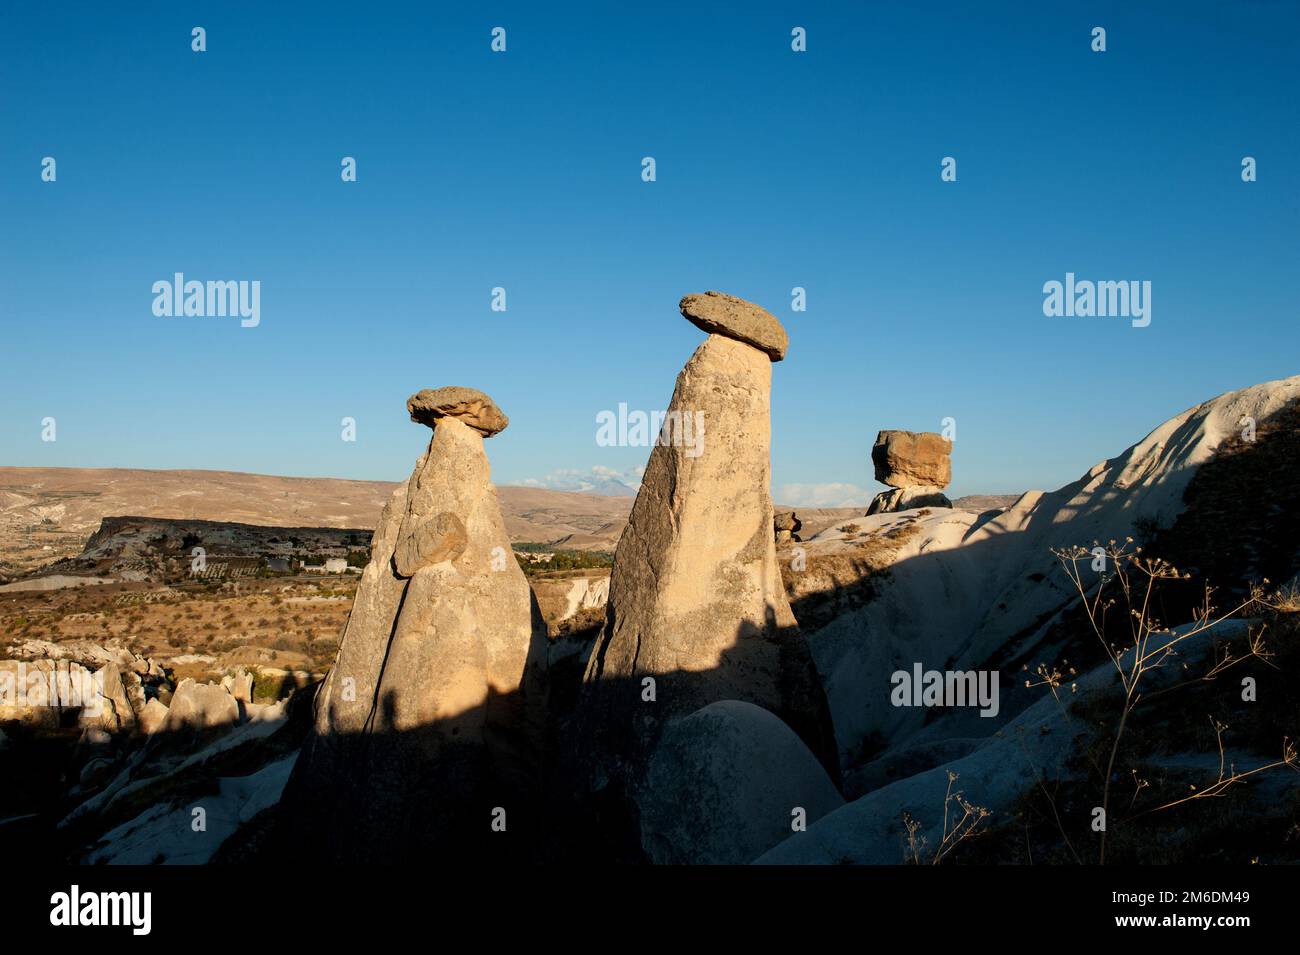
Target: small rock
{"points": [[240, 685], [113, 710], [152, 717], [786, 525]]}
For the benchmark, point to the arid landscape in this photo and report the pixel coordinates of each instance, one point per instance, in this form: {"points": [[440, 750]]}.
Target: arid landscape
{"points": [[918, 681], [50, 513], [729, 464]]}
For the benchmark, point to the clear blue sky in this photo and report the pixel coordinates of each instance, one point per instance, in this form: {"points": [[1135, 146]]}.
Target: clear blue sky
{"points": [[522, 170]]}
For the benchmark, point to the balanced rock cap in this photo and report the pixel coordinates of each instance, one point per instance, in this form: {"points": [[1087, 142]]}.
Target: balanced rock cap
{"points": [[469, 405], [912, 459], [717, 312]]}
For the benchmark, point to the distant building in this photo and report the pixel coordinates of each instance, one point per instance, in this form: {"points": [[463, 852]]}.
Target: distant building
{"points": [[278, 565], [336, 565]]}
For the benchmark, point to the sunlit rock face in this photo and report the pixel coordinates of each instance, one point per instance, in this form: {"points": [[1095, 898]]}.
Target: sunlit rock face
{"points": [[697, 611]]}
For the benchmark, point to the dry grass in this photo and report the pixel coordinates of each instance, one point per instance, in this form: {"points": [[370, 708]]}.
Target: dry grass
{"points": [[299, 622], [830, 584]]}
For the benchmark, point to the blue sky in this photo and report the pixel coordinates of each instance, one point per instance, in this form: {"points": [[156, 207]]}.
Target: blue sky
{"points": [[775, 169]]}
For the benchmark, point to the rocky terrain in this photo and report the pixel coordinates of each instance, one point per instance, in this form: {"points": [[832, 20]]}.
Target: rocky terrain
{"points": [[47, 514], [746, 683], [162, 550], [50, 514]]}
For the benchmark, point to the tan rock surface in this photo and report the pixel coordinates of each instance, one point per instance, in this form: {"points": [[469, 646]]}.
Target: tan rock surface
{"points": [[468, 405], [722, 314], [912, 458], [425, 710], [200, 706], [907, 498], [786, 524], [153, 716], [696, 600]]}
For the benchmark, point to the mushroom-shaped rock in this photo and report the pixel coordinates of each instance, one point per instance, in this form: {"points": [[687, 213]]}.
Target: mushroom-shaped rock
{"points": [[435, 699], [697, 608], [722, 314], [469, 405]]}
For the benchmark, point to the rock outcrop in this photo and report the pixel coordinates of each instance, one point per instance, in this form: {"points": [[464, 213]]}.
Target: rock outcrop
{"points": [[697, 612], [907, 498], [563, 599], [200, 706], [153, 716], [240, 685], [727, 783], [42, 690], [116, 711], [424, 718], [916, 465], [786, 525]]}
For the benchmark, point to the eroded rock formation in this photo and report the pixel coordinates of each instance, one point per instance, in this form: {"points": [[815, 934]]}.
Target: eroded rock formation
{"points": [[424, 720], [697, 612], [915, 465], [786, 525]]}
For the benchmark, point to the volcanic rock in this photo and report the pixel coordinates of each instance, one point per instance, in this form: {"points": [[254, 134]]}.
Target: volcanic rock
{"points": [[906, 498], [468, 405], [912, 459], [725, 784], [786, 525], [722, 314], [425, 712], [696, 604], [200, 706]]}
